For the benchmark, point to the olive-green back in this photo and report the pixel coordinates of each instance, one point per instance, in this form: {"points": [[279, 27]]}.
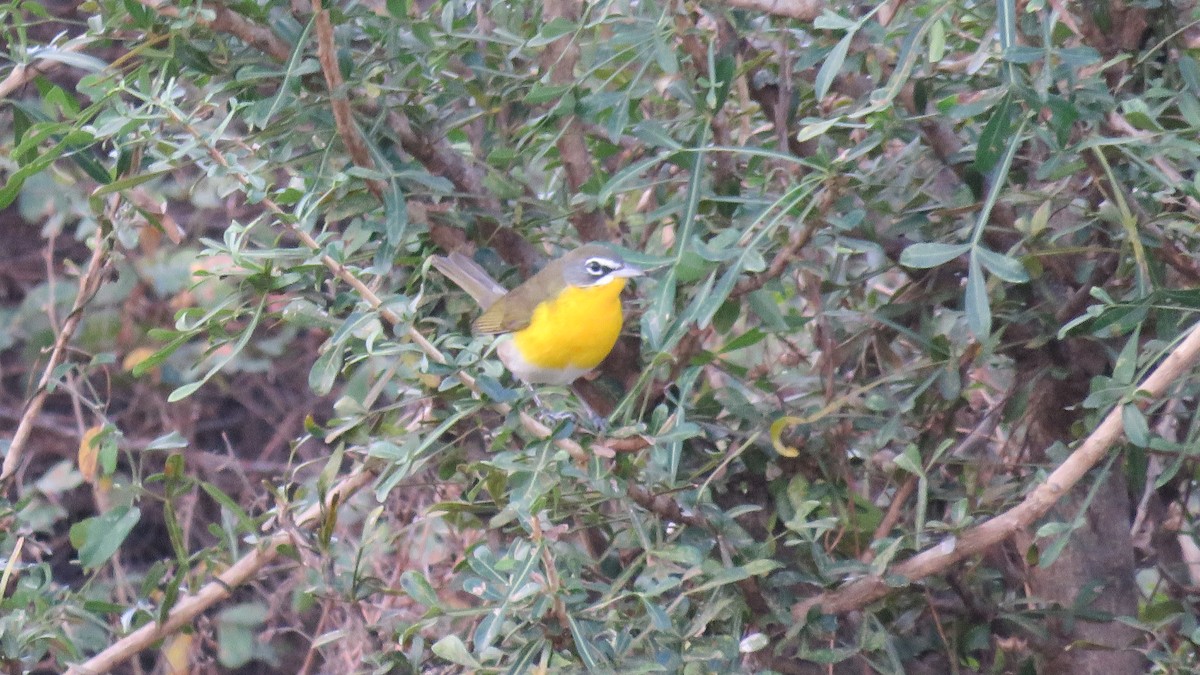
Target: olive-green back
{"points": [[514, 311]]}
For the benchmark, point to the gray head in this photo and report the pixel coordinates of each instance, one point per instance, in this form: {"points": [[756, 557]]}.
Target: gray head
{"points": [[595, 265]]}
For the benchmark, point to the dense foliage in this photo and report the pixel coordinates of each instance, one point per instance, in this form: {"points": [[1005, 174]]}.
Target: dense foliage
{"points": [[903, 259]]}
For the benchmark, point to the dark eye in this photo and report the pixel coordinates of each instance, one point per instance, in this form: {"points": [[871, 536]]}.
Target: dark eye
{"points": [[596, 268]]}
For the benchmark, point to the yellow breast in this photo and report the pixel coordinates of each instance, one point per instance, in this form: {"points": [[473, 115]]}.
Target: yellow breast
{"points": [[573, 332]]}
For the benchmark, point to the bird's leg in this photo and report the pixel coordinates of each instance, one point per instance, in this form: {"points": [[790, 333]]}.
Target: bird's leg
{"points": [[536, 399], [553, 417], [599, 423]]}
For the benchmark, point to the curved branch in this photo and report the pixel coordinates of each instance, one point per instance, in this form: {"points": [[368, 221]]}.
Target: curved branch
{"points": [[861, 592]]}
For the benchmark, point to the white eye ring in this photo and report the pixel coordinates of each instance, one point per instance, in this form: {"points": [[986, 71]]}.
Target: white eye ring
{"points": [[596, 268]]}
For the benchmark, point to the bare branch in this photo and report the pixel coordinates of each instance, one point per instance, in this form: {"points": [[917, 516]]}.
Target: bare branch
{"points": [[859, 593], [342, 117], [89, 283], [804, 10], [188, 608]]}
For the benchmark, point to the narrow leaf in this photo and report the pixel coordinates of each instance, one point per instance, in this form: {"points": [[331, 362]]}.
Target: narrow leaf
{"points": [[931, 254], [1007, 268], [979, 313]]}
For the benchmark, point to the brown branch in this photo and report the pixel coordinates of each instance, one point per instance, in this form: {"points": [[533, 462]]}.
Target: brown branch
{"points": [[228, 21], [974, 541], [892, 516], [342, 117], [89, 283], [560, 59], [804, 10], [188, 608], [440, 159], [22, 73], [664, 507], [779, 263], [775, 108]]}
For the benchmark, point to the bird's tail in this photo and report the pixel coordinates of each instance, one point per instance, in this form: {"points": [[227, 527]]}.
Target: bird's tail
{"points": [[470, 277]]}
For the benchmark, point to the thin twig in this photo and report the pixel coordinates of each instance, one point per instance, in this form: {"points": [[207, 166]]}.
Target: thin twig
{"points": [[89, 283], [779, 263], [891, 517]]}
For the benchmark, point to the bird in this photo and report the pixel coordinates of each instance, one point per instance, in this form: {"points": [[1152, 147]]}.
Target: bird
{"points": [[560, 323]]}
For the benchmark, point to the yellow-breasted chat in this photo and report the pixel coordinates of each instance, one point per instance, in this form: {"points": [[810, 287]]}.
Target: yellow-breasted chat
{"points": [[557, 325]]}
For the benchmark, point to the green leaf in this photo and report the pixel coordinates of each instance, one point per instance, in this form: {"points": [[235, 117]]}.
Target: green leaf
{"points": [[833, 65], [325, 370], [556, 28], [937, 41], [169, 441], [35, 165], [226, 356], [750, 337], [584, 646], [995, 136], [1125, 367], [979, 312], [1137, 430], [244, 521], [493, 390], [931, 254], [815, 129], [910, 461], [121, 185], [453, 650], [74, 59], [541, 93], [735, 574], [830, 20], [1040, 219], [1189, 72], [398, 9], [419, 589], [180, 393], [1008, 269], [237, 634], [98, 538]]}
